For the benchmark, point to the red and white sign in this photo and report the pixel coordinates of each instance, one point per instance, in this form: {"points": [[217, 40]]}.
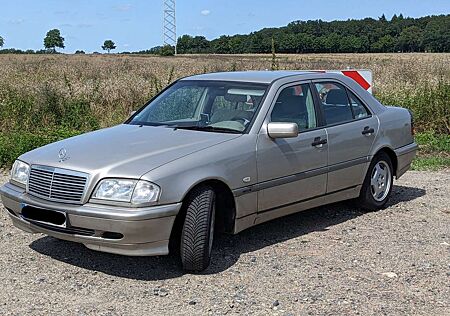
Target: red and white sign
{"points": [[362, 77]]}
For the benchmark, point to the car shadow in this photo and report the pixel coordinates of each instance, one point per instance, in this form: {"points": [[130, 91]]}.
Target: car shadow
{"points": [[227, 248]]}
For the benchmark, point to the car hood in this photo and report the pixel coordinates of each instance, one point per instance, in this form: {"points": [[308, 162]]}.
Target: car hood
{"points": [[127, 151]]}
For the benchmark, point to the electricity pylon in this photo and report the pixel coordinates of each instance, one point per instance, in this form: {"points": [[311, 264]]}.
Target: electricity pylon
{"points": [[170, 24]]}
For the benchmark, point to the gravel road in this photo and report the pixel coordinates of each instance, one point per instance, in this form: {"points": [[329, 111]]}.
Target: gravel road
{"points": [[327, 261]]}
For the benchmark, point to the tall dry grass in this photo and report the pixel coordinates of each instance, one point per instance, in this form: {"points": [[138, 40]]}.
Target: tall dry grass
{"points": [[42, 95]]}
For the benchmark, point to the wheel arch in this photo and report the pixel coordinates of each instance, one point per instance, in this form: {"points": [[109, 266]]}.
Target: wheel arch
{"points": [[225, 207], [391, 153]]}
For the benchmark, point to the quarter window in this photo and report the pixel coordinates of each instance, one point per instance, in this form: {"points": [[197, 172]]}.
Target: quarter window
{"points": [[295, 105], [359, 110]]}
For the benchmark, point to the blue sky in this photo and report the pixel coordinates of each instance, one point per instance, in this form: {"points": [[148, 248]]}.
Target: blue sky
{"points": [[137, 24]]}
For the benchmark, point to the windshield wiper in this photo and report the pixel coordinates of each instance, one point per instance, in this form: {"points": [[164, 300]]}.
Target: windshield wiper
{"points": [[207, 129]]}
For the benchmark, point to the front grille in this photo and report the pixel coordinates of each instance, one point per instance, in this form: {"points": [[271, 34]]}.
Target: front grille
{"points": [[57, 184]]}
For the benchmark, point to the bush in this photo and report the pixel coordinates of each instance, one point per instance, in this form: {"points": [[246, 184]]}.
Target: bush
{"points": [[167, 50], [429, 104], [14, 144]]}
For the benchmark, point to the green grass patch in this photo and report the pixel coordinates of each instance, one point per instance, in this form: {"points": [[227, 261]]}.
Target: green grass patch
{"points": [[15, 143], [434, 152], [422, 163]]}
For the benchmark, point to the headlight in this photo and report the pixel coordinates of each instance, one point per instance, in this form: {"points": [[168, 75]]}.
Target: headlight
{"points": [[20, 172], [129, 191]]}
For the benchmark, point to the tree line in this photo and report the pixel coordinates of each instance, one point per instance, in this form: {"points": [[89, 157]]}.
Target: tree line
{"points": [[400, 34]]}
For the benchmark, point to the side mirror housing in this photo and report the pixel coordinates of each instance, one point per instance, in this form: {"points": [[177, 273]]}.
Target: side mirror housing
{"points": [[282, 130]]}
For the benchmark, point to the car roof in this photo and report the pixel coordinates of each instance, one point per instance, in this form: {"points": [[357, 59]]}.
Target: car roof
{"points": [[264, 76]]}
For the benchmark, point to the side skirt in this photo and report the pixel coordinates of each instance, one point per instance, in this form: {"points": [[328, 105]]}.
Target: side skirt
{"points": [[267, 215]]}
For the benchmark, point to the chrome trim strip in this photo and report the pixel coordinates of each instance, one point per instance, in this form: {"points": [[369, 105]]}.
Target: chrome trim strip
{"points": [[298, 202], [299, 176]]}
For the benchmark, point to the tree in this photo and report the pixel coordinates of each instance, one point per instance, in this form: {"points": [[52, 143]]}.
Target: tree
{"points": [[384, 45], [221, 45], [410, 39], [167, 50], [436, 37], [108, 45], [53, 39], [275, 65], [2, 41], [78, 52]]}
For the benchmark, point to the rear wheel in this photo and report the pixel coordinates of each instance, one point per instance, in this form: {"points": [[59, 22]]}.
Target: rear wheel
{"points": [[198, 229], [377, 186]]}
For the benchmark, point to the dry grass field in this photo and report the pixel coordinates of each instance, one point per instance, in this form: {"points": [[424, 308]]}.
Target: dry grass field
{"points": [[54, 96]]}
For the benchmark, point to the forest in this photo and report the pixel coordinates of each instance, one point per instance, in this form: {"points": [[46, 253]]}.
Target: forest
{"points": [[399, 34]]}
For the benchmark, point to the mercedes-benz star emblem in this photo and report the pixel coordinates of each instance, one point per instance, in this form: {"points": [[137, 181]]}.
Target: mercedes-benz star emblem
{"points": [[62, 155]]}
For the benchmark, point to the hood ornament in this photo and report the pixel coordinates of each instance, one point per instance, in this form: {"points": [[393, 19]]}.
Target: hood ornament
{"points": [[62, 155]]}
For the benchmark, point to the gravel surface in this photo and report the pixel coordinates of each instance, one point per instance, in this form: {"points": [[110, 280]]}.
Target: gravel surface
{"points": [[327, 261]]}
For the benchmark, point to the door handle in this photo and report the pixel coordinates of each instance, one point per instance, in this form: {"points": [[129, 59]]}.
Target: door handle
{"points": [[367, 131], [318, 142]]}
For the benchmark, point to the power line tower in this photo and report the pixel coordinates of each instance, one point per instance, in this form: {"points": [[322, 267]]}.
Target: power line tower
{"points": [[170, 24]]}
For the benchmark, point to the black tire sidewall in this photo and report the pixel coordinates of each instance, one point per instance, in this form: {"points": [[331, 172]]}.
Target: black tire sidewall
{"points": [[206, 252], [367, 200]]}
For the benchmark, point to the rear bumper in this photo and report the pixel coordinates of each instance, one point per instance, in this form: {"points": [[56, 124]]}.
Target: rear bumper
{"points": [[135, 232], [405, 156]]}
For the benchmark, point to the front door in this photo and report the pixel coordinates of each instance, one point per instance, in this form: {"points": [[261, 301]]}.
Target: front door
{"points": [[292, 170]]}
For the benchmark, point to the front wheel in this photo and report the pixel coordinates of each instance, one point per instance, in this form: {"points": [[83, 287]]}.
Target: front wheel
{"points": [[198, 229], [377, 186]]}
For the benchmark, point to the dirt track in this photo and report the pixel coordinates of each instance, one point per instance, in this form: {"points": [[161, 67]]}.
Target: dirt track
{"points": [[326, 261]]}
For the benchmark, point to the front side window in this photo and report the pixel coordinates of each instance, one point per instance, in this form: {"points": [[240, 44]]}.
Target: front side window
{"points": [[295, 105], [204, 105]]}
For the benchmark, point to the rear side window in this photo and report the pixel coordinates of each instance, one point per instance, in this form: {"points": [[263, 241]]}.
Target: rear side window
{"points": [[339, 105], [295, 105]]}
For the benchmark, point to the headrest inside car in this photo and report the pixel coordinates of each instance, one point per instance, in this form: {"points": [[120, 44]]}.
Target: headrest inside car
{"points": [[235, 98]]}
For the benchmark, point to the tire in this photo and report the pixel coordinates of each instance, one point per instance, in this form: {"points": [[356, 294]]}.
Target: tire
{"points": [[377, 186], [198, 229]]}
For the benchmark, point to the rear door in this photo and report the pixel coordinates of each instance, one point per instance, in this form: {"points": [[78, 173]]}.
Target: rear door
{"points": [[291, 170], [351, 130]]}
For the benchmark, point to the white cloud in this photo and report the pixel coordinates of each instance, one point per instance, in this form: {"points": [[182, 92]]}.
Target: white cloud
{"points": [[16, 21], [123, 7], [205, 12], [84, 25]]}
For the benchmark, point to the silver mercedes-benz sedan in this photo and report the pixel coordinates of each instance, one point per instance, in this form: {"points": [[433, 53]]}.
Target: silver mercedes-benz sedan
{"points": [[214, 152]]}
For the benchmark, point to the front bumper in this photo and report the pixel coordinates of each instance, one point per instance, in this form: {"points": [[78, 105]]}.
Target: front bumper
{"points": [[119, 230]]}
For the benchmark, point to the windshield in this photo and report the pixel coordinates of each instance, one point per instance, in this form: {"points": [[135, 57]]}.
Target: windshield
{"points": [[204, 105]]}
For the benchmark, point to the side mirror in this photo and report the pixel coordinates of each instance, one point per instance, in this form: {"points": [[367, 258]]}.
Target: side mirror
{"points": [[282, 130]]}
